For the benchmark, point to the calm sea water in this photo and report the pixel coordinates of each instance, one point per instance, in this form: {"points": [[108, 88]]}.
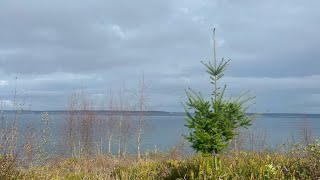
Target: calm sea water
{"points": [[165, 131]]}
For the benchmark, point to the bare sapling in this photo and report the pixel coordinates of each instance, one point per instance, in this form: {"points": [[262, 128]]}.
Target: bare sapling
{"points": [[14, 134], [124, 125], [257, 139], [121, 109], [127, 130], [87, 119], [111, 121], [71, 124], [79, 119], [306, 132], [237, 144], [100, 129], [141, 99]]}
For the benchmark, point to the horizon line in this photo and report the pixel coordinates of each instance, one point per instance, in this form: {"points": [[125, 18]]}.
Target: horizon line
{"points": [[160, 111]]}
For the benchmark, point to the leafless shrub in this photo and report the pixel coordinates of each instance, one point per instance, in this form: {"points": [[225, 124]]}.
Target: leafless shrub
{"points": [[100, 128], [10, 141], [238, 143], [141, 99], [71, 124], [36, 143], [87, 120], [111, 121], [306, 132], [30, 145], [79, 120], [125, 123], [257, 139]]}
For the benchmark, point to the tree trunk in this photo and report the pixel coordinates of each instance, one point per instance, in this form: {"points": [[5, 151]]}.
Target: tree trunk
{"points": [[109, 142], [139, 143]]}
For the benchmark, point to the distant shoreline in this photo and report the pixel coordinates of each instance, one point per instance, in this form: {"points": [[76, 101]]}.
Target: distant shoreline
{"points": [[166, 113]]}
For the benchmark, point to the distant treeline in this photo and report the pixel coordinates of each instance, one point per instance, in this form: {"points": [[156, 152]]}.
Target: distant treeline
{"points": [[166, 113]]}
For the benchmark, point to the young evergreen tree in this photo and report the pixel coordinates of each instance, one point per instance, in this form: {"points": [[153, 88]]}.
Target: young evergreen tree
{"points": [[212, 124]]}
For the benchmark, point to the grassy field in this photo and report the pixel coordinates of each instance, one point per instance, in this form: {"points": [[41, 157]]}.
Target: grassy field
{"points": [[300, 162]]}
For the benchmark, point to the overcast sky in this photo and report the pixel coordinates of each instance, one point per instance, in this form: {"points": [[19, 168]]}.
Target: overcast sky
{"points": [[56, 47]]}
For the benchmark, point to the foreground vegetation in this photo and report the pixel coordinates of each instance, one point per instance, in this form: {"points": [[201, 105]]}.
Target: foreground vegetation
{"points": [[301, 162]]}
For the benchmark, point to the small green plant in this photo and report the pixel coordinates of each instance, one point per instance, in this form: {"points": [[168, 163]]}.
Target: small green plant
{"points": [[212, 124]]}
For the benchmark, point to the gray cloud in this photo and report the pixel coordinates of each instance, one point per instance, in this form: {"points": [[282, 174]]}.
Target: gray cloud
{"points": [[55, 47]]}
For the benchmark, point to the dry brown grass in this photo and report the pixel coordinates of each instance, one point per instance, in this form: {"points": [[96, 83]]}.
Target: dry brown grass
{"points": [[97, 167]]}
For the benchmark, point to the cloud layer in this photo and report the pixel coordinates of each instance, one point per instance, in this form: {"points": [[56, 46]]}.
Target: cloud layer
{"points": [[56, 47]]}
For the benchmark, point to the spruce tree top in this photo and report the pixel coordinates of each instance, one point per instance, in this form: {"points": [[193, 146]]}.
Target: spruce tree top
{"points": [[212, 123]]}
